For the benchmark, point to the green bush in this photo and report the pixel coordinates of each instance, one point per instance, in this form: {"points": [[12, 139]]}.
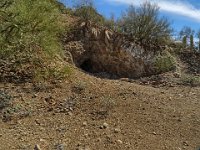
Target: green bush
{"points": [[29, 32], [5, 100], [164, 62], [52, 73], [190, 80], [28, 25], [87, 12], [63, 9]]}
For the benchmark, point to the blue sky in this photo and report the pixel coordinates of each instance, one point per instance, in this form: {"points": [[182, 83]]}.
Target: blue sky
{"points": [[179, 12]]}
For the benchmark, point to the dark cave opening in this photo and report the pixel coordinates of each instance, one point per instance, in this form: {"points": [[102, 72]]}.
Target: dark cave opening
{"points": [[93, 69], [87, 66]]}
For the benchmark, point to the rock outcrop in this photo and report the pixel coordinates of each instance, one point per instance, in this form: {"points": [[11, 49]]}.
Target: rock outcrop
{"points": [[97, 49]]}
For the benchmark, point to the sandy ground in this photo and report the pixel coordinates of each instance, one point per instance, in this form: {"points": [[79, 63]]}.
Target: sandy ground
{"points": [[89, 113]]}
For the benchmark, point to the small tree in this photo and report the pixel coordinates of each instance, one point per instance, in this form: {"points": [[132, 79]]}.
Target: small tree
{"points": [[145, 25]]}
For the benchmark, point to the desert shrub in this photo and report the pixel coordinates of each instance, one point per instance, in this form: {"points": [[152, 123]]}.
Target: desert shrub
{"points": [[87, 12], [107, 103], [176, 47], [5, 106], [190, 80], [63, 9], [52, 73], [79, 87], [164, 62], [5, 100], [144, 24], [27, 25], [29, 35]]}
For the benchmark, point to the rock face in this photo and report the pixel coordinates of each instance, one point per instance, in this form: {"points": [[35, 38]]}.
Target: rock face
{"points": [[96, 49]]}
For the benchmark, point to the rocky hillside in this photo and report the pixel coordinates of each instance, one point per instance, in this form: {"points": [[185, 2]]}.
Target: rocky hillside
{"points": [[97, 49], [105, 91], [85, 112]]}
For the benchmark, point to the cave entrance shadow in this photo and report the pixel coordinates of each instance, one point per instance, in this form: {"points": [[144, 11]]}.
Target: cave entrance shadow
{"points": [[88, 67]]}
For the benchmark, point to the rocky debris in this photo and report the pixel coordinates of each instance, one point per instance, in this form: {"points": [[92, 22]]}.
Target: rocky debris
{"points": [[185, 143], [98, 115], [85, 123], [154, 133], [82, 147], [119, 142], [37, 122], [9, 73], [50, 100], [37, 147], [66, 106], [35, 96], [177, 75], [60, 147], [104, 126], [117, 130]]}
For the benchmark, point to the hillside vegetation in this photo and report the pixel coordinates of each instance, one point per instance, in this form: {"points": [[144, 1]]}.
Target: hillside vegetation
{"points": [[29, 43], [30, 47], [65, 84]]}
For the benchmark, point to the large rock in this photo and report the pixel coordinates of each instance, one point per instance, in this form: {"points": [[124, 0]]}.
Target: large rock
{"points": [[97, 49]]}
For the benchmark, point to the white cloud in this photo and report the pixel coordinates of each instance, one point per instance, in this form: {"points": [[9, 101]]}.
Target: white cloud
{"points": [[178, 7]]}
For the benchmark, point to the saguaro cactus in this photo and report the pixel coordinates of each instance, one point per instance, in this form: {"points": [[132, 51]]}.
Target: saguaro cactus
{"points": [[184, 41], [191, 42]]}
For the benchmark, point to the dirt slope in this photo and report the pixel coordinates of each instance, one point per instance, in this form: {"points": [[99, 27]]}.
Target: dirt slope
{"points": [[89, 113]]}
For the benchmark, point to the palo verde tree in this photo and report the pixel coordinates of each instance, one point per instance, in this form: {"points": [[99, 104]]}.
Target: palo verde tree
{"points": [[145, 25]]}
